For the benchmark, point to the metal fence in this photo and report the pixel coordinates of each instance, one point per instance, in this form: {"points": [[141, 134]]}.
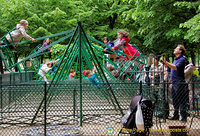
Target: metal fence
{"points": [[16, 78], [65, 109]]}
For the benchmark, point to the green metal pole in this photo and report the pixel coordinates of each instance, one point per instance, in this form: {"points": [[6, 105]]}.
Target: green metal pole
{"points": [[74, 102], [81, 112], [1, 92], [51, 94], [120, 109], [39, 107]]}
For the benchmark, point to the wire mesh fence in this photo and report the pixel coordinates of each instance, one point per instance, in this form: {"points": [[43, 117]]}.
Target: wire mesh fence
{"points": [[16, 78], [71, 108]]}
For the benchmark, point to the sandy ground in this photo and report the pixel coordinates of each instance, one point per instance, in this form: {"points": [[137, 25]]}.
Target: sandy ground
{"points": [[98, 126]]}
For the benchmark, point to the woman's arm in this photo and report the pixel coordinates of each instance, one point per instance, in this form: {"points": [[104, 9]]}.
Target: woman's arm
{"points": [[23, 32]]}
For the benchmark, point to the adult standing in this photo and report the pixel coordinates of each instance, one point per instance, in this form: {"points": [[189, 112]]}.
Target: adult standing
{"points": [[180, 92]]}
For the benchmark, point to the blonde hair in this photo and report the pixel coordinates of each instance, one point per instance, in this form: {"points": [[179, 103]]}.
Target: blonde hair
{"points": [[124, 33], [23, 22], [46, 40]]}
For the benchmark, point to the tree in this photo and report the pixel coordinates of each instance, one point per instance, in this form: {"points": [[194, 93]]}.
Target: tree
{"points": [[162, 23]]}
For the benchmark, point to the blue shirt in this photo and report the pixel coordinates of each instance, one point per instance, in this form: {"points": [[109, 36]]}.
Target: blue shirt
{"points": [[111, 44], [177, 75], [93, 80]]}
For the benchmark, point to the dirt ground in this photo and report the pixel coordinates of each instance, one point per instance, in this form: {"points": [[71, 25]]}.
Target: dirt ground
{"points": [[99, 127]]}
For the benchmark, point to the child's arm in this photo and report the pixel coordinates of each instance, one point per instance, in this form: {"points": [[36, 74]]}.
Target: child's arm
{"points": [[121, 43], [53, 61], [23, 32], [94, 69]]}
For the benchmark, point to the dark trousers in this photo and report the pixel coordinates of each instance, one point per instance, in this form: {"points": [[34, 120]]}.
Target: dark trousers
{"points": [[42, 57], [11, 47], [180, 97]]}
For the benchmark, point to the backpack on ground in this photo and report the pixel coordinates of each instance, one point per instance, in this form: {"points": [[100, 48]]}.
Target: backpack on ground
{"points": [[129, 120]]}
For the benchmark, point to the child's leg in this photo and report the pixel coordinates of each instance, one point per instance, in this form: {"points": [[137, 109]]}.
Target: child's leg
{"points": [[45, 79], [50, 56], [42, 56]]}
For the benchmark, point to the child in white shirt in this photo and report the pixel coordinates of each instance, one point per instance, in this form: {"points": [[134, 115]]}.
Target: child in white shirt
{"points": [[45, 68]]}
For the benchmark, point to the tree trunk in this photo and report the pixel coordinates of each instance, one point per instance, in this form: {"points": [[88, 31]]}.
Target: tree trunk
{"points": [[112, 21], [114, 18], [193, 57]]}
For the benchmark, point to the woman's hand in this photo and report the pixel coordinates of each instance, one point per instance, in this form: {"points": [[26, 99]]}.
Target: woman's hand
{"points": [[32, 39]]}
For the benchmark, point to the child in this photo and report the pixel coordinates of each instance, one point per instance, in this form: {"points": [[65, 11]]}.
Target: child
{"points": [[116, 72], [45, 68], [72, 74], [18, 34], [46, 43], [108, 51], [109, 43], [127, 48], [91, 76]]}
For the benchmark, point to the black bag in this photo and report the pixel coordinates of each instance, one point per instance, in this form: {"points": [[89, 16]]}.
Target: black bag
{"points": [[147, 109], [130, 124], [157, 80], [130, 121]]}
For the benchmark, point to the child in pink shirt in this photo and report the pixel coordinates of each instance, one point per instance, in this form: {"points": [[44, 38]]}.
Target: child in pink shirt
{"points": [[72, 74]]}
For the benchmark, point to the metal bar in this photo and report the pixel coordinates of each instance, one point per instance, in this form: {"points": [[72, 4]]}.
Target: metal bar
{"points": [[51, 94], [55, 75], [41, 38], [45, 108], [102, 72], [74, 102], [80, 74]]}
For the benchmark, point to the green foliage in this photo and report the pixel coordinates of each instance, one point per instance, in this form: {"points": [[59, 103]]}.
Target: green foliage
{"points": [[58, 50], [193, 32], [35, 22], [162, 24], [40, 32], [153, 25]]}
